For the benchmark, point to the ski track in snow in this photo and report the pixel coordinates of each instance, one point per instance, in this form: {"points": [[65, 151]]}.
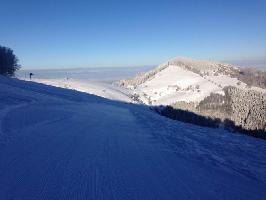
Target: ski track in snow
{"points": [[65, 144]]}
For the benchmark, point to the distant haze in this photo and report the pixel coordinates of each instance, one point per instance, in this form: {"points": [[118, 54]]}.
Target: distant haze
{"points": [[95, 73], [258, 63]]}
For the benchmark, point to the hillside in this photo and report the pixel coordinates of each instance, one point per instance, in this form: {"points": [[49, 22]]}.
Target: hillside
{"points": [[183, 79], [193, 85], [63, 144]]}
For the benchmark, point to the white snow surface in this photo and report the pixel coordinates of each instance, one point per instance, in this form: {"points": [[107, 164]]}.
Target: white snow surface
{"points": [[63, 144], [170, 82], [97, 81], [99, 88]]}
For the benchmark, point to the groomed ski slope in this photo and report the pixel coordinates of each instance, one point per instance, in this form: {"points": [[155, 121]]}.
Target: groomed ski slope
{"points": [[63, 144]]}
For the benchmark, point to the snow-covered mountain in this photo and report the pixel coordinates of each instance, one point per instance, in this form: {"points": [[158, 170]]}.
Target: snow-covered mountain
{"points": [[183, 79], [209, 89], [58, 143]]}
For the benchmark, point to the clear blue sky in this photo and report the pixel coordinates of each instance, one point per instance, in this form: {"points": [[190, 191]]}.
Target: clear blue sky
{"points": [[84, 33]]}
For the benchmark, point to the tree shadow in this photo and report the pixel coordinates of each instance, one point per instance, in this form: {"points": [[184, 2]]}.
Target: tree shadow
{"points": [[193, 118]]}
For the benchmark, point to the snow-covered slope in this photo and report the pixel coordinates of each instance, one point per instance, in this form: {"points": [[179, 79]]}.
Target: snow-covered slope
{"points": [[97, 81], [102, 89], [63, 144], [183, 79]]}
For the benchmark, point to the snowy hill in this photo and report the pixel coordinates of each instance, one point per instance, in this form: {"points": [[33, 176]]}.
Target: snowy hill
{"points": [[213, 90], [183, 79], [62, 144]]}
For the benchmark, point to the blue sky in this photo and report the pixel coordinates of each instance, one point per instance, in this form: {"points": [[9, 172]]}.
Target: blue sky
{"points": [[84, 33]]}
